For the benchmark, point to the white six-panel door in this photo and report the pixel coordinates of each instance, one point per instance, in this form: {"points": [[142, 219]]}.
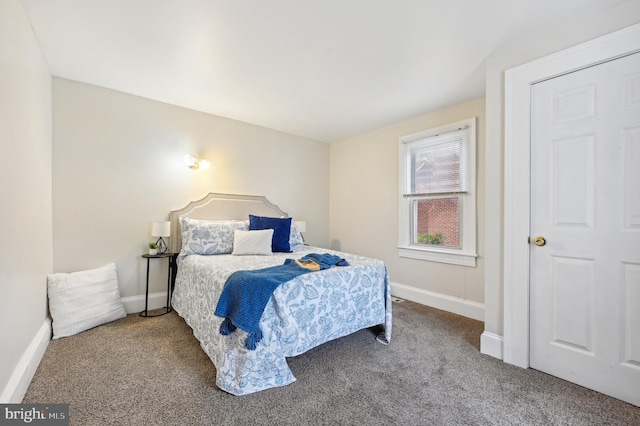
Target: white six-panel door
{"points": [[585, 204]]}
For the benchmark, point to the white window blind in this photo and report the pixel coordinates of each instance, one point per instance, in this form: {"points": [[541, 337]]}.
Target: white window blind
{"points": [[438, 165]]}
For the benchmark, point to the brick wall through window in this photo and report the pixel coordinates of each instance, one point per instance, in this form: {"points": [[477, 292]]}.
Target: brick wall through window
{"points": [[439, 216]]}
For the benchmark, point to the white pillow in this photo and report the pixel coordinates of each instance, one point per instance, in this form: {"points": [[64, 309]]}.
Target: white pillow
{"points": [[82, 300], [252, 242]]}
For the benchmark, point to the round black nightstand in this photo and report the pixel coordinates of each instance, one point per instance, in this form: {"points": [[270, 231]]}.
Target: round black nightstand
{"points": [[170, 275]]}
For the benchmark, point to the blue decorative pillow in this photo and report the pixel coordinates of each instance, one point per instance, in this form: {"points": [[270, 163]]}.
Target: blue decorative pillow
{"points": [[281, 230]]}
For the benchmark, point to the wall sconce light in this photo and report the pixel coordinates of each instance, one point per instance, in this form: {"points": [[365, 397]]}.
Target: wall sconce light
{"points": [[194, 163]]}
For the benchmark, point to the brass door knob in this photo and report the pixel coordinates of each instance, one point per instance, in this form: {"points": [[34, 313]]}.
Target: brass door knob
{"points": [[540, 241]]}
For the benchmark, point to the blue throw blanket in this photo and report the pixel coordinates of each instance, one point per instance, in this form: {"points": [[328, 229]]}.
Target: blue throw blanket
{"points": [[246, 293]]}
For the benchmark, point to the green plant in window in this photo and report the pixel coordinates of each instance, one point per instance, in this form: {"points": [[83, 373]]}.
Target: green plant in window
{"points": [[433, 239]]}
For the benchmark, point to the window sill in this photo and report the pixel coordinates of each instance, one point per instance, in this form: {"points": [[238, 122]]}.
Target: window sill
{"points": [[453, 257]]}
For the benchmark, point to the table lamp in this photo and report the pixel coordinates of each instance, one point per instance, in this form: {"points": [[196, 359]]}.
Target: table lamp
{"points": [[161, 229]]}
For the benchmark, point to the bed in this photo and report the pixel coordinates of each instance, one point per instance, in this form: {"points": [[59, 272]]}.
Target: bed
{"points": [[301, 314]]}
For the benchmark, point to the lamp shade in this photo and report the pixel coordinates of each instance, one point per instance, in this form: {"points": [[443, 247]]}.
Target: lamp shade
{"points": [[161, 229]]}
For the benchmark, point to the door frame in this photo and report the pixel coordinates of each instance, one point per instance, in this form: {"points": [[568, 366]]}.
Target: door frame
{"points": [[517, 176]]}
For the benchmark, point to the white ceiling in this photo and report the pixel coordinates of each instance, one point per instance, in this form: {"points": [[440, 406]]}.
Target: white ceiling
{"points": [[324, 69]]}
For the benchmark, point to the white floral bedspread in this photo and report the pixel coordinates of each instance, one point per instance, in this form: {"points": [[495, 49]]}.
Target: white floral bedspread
{"points": [[303, 313]]}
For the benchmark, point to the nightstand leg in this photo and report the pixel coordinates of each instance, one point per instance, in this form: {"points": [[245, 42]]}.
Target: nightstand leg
{"points": [[146, 293], [168, 305]]}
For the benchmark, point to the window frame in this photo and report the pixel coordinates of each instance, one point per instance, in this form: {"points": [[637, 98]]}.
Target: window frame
{"points": [[466, 255]]}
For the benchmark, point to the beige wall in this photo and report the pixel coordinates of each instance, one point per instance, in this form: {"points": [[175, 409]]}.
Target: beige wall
{"points": [[624, 14], [364, 203], [118, 166], [25, 191]]}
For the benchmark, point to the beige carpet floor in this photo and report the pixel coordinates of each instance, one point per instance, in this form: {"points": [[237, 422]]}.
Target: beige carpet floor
{"points": [[152, 371]]}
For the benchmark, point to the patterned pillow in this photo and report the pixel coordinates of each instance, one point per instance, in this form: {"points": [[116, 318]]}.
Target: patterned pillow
{"points": [[295, 238], [209, 237]]}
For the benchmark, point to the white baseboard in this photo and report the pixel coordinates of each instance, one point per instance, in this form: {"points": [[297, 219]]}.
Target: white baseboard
{"points": [[466, 308], [491, 344], [135, 304], [19, 381]]}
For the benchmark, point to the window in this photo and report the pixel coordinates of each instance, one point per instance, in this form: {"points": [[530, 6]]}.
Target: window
{"points": [[437, 194]]}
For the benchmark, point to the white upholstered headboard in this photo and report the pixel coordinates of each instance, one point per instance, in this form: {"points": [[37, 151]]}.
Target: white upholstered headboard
{"points": [[221, 207]]}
